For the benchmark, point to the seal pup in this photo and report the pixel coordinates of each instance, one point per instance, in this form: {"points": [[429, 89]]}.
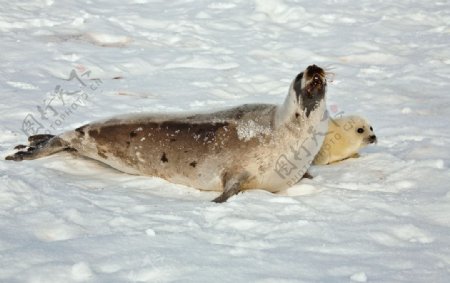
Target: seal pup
{"points": [[253, 146], [345, 137]]}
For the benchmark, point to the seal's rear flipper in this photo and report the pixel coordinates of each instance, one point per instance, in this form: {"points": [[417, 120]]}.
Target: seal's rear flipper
{"points": [[38, 139], [40, 146], [34, 141]]}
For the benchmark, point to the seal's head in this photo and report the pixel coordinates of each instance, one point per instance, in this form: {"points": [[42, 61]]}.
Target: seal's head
{"points": [[306, 96], [346, 136], [310, 87], [363, 131]]}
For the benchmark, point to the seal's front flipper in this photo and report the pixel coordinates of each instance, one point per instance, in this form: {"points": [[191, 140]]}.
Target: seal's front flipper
{"points": [[232, 186], [40, 146], [356, 155]]}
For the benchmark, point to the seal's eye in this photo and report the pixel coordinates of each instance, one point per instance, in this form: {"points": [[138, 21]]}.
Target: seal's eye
{"points": [[371, 128], [360, 130]]}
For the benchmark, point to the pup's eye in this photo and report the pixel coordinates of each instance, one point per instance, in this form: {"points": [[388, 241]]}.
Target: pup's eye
{"points": [[371, 128], [360, 130]]}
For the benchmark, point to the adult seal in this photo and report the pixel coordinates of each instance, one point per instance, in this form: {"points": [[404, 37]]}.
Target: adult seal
{"points": [[253, 146]]}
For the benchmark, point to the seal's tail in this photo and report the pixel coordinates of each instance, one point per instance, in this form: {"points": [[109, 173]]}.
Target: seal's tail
{"points": [[39, 146]]}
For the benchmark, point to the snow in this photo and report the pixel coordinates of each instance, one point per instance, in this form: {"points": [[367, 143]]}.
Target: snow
{"points": [[383, 217], [247, 131]]}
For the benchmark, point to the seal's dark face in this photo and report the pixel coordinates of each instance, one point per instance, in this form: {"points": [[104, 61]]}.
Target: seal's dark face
{"points": [[310, 86]]}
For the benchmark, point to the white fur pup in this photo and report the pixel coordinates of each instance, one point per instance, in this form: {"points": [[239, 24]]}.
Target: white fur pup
{"points": [[345, 137]]}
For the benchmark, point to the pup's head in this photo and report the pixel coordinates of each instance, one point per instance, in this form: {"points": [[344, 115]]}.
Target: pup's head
{"points": [[359, 128]]}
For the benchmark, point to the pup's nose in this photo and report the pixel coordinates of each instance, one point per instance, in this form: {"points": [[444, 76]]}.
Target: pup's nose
{"points": [[373, 139]]}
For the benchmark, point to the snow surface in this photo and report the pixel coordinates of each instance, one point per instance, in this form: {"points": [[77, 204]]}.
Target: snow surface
{"points": [[384, 217]]}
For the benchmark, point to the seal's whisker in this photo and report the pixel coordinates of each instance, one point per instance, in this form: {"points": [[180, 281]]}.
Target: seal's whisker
{"points": [[330, 76], [329, 67]]}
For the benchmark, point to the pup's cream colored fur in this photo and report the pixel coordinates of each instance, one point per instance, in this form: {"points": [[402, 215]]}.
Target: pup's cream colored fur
{"points": [[345, 137]]}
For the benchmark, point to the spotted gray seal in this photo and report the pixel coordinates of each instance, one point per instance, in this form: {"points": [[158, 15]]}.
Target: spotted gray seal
{"points": [[254, 146]]}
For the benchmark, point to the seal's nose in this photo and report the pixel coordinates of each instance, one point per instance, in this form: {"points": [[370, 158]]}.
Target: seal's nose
{"points": [[373, 139], [313, 71]]}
